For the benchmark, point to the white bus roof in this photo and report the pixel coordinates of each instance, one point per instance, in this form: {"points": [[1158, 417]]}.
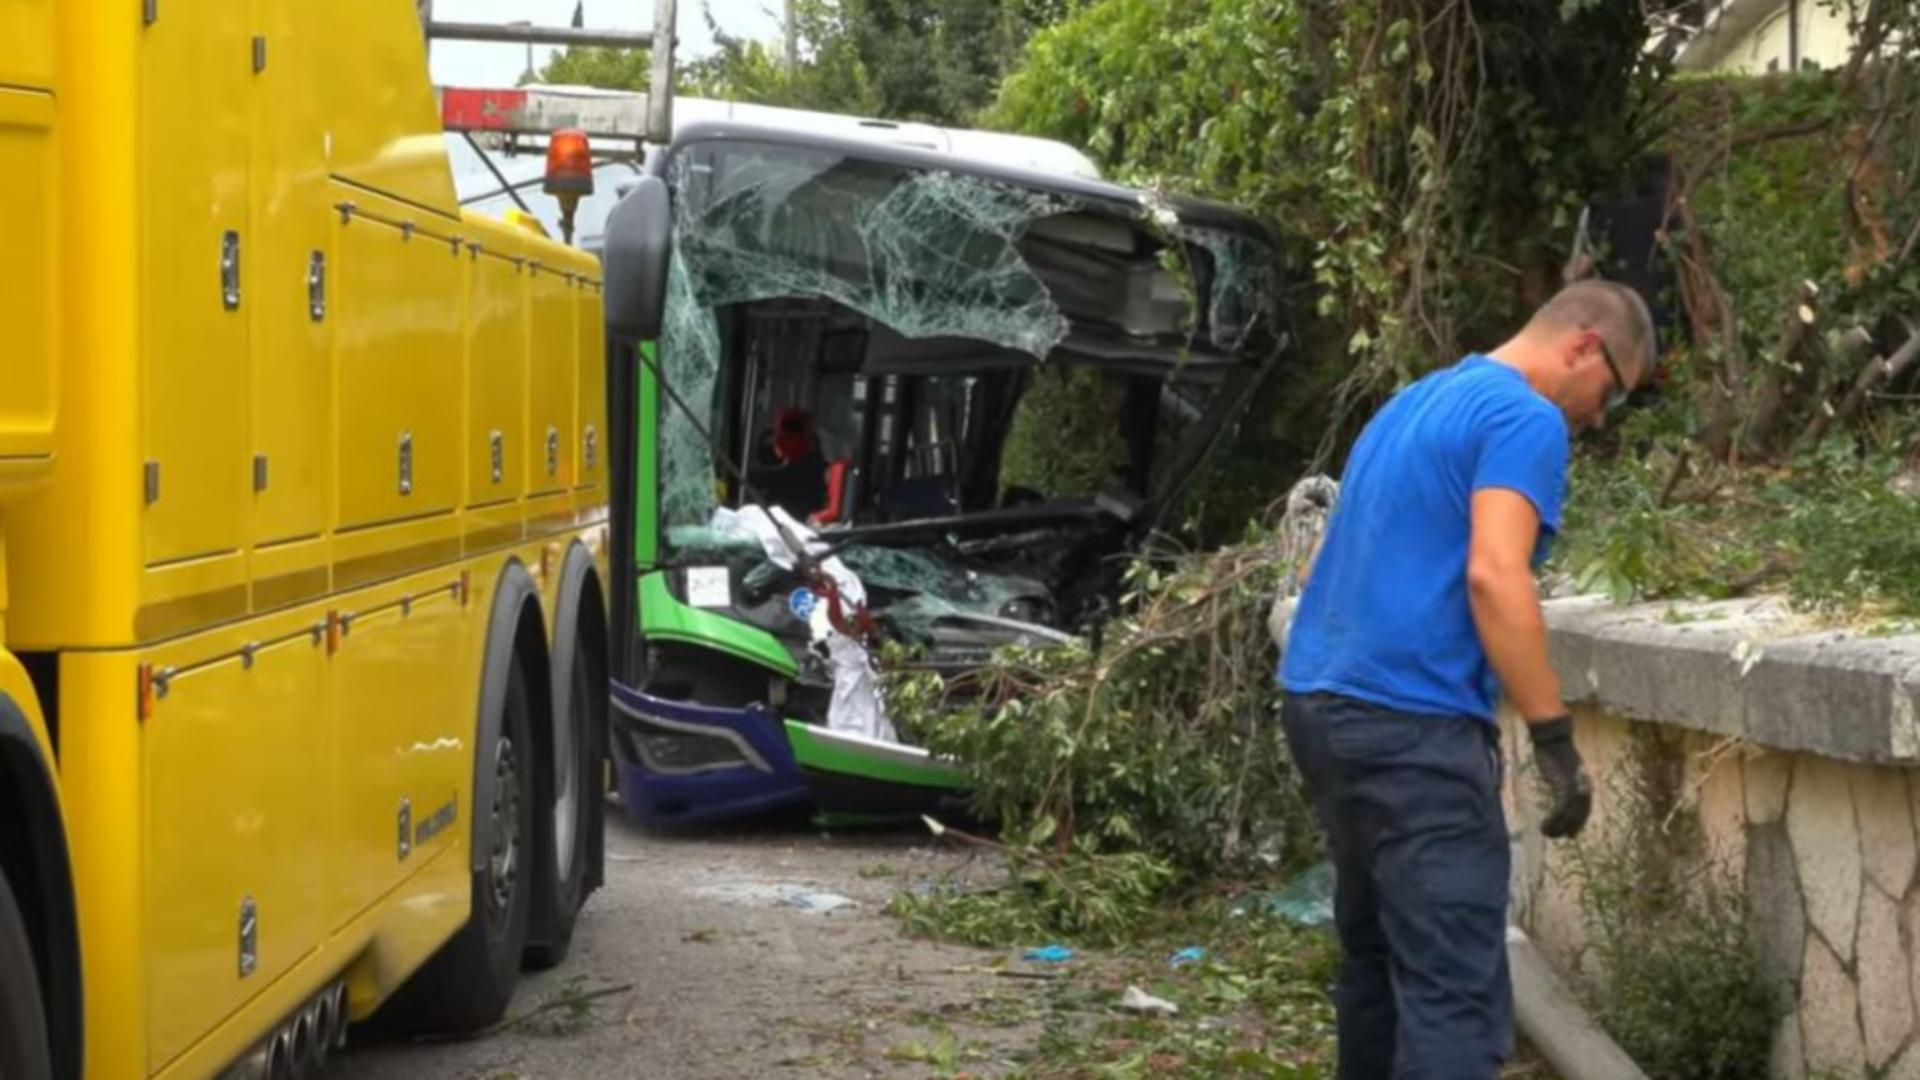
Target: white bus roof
{"points": [[543, 108], [1023, 151]]}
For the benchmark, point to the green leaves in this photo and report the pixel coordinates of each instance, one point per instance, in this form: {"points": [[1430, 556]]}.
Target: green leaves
{"points": [[1412, 166], [609, 69], [1155, 765], [932, 60], [1839, 530], [1681, 983]]}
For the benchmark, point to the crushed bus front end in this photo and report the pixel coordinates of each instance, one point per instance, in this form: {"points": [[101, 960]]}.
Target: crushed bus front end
{"points": [[853, 428]]}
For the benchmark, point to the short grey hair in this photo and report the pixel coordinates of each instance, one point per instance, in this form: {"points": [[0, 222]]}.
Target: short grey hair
{"points": [[1616, 312]]}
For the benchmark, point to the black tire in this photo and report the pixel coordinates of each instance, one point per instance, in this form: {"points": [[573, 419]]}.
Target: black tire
{"points": [[24, 1052], [469, 982], [567, 795]]}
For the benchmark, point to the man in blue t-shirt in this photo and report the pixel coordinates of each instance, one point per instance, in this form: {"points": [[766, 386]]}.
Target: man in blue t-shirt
{"points": [[1419, 611]]}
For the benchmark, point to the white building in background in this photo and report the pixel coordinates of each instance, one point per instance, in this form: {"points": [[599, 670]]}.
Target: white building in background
{"points": [[1755, 37]]}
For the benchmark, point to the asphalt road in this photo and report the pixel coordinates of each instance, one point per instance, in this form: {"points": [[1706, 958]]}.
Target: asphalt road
{"points": [[708, 957]]}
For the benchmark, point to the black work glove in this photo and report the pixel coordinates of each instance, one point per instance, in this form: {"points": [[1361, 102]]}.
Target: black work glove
{"points": [[1569, 789]]}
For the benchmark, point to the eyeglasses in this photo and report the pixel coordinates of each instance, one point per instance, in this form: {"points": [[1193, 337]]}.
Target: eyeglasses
{"points": [[1618, 395]]}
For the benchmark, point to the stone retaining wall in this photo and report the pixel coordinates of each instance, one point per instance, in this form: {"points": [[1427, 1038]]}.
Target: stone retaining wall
{"points": [[1796, 754]]}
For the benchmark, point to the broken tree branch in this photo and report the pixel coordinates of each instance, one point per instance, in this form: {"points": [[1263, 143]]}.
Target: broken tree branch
{"points": [[1775, 566], [1907, 249], [1709, 316], [1674, 476], [1854, 342], [567, 1000], [1868, 35], [1876, 374], [1766, 405], [943, 830], [1718, 155]]}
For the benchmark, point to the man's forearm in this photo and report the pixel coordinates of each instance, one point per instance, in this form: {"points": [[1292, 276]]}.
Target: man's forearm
{"points": [[1506, 611]]}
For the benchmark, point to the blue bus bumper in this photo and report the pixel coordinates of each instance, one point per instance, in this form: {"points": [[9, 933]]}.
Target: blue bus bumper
{"points": [[678, 762]]}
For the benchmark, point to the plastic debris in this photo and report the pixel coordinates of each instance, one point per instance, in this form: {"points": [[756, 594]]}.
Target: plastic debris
{"points": [[775, 894], [1138, 1000], [855, 707], [1309, 507], [1306, 901], [1049, 954], [1192, 954], [818, 903]]}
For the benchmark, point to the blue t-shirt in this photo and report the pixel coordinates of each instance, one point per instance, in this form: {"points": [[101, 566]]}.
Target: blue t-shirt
{"points": [[1384, 617]]}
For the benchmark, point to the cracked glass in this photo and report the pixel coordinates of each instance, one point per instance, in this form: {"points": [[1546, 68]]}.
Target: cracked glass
{"points": [[927, 253]]}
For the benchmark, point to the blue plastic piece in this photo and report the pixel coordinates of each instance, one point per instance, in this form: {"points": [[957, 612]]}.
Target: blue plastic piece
{"points": [[1050, 954], [1192, 954]]}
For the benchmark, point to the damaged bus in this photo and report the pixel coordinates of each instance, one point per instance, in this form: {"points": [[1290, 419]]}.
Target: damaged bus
{"points": [[838, 367]]}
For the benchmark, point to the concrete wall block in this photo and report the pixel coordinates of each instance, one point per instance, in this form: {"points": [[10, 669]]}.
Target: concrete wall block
{"points": [[1906, 1066], [1715, 775], [1826, 849], [1831, 695], [1830, 1014], [1788, 1060], [1778, 913], [1559, 919], [1607, 745], [1751, 668], [1905, 721], [1647, 669], [1886, 1000], [1818, 810], [1881, 803], [1911, 948], [1912, 779], [1768, 774]]}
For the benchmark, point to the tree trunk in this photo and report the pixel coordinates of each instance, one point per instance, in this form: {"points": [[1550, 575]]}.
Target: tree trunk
{"points": [[1856, 341], [1878, 373], [1768, 402]]}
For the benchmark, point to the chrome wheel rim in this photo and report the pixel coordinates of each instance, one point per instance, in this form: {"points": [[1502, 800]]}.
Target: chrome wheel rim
{"points": [[503, 863]]}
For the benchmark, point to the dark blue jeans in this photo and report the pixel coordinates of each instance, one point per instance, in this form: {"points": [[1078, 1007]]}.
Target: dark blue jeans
{"points": [[1411, 808]]}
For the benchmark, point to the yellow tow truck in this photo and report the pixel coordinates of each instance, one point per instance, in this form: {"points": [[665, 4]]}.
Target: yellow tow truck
{"points": [[303, 542]]}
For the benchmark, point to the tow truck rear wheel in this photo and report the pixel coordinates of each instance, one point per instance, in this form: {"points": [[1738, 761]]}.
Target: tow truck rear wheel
{"points": [[469, 982], [566, 845], [23, 1019]]}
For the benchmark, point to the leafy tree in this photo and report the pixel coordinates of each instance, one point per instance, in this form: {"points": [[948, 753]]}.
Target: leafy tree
{"points": [[609, 69], [941, 60], [1426, 154], [828, 75], [938, 61]]}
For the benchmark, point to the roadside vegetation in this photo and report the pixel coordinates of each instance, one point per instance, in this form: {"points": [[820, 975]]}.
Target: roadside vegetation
{"points": [[1782, 452], [1681, 983], [1432, 163]]}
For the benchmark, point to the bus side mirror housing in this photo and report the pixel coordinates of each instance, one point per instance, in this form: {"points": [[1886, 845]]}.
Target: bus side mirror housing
{"points": [[639, 247]]}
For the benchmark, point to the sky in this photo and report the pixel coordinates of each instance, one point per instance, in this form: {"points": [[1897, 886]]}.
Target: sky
{"points": [[459, 63]]}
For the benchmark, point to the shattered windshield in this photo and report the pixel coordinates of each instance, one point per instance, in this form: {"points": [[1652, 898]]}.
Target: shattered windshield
{"points": [[868, 345], [924, 255]]}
